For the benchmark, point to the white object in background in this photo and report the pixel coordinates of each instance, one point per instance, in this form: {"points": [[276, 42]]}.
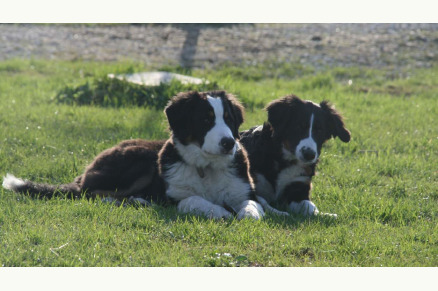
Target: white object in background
{"points": [[156, 78]]}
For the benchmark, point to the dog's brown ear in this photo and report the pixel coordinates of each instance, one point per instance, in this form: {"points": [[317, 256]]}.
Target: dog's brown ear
{"points": [[277, 116], [237, 112], [335, 121], [279, 112], [177, 112]]}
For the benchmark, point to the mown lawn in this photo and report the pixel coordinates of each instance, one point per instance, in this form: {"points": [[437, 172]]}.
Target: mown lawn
{"points": [[383, 184]]}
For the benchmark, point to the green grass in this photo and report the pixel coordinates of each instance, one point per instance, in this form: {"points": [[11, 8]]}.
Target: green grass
{"points": [[112, 92], [383, 184]]}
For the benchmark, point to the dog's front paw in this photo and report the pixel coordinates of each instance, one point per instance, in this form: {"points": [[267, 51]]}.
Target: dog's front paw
{"points": [[198, 205], [305, 207], [250, 209], [269, 208]]}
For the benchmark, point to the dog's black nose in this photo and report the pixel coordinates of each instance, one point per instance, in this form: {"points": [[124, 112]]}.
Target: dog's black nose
{"points": [[227, 143], [308, 154]]}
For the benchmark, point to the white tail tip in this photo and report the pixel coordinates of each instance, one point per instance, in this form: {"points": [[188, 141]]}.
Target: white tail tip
{"points": [[10, 182]]}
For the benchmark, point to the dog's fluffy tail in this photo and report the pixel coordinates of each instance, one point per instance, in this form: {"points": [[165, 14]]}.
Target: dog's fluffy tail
{"points": [[40, 190]]}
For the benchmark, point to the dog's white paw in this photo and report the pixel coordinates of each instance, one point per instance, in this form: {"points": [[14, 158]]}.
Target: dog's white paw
{"points": [[199, 205], [305, 207], [250, 209]]}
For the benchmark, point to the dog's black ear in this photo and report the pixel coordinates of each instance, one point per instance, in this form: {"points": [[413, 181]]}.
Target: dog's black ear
{"points": [[237, 111], [177, 112], [335, 122], [279, 112]]}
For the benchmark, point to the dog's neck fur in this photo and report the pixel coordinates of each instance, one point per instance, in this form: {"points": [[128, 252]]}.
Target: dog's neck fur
{"points": [[193, 155]]}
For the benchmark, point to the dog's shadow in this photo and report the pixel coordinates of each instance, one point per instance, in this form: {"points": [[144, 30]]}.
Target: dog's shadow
{"points": [[169, 214]]}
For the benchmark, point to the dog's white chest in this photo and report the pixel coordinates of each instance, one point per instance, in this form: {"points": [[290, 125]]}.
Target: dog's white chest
{"points": [[220, 186], [294, 173]]}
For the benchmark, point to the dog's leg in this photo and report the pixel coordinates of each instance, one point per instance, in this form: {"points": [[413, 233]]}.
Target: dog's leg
{"points": [[308, 208], [269, 208], [250, 209], [297, 196], [305, 207], [198, 205]]}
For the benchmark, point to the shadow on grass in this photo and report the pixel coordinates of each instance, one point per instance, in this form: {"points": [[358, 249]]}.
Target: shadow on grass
{"points": [[168, 214]]}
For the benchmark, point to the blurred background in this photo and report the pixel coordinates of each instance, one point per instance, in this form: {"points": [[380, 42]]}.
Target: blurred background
{"points": [[206, 46]]}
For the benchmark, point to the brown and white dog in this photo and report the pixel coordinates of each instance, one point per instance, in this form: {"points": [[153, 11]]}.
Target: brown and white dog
{"points": [[202, 167], [284, 151]]}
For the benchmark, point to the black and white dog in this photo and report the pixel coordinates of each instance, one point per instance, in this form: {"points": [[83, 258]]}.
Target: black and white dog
{"points": [[202, 167], [284, 151], [203, 164]]}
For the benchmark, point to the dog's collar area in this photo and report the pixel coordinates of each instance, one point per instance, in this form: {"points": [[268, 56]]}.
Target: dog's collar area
{"points": [[287, 163], [309, 171]]}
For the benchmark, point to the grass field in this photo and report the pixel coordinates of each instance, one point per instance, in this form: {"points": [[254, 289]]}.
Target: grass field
{"points": [[383, 184]]}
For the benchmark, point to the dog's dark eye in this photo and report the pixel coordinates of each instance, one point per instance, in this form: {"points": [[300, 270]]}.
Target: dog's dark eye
{"points": [[227, 118], [208, 120]]}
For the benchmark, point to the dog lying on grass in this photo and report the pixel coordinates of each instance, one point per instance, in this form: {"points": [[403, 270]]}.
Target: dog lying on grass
{"points": [[202, 168], [284, 151]]}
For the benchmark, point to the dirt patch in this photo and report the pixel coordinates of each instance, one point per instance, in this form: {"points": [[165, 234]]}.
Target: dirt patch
{"points": [[208, 46]]}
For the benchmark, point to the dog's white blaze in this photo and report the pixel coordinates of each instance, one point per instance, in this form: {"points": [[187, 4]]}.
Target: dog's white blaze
{"points": [[218, 131], [311, 125], [308, 142]]}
